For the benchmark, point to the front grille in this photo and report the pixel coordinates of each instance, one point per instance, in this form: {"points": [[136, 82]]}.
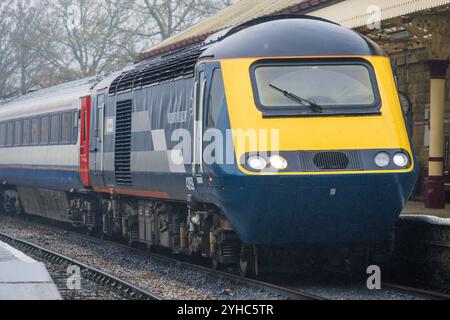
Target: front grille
{"points": [[122, 152], [330, 161]]}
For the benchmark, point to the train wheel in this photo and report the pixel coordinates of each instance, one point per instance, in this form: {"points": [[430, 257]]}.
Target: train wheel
{"points": [[215, 264], [105, 236], [12, 205], [248, 262], [93, 232]]}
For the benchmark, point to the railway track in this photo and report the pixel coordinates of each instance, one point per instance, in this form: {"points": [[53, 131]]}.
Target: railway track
{"points": [[409, 293], [431, 295], [92, 273], [119, 287], [292, 291]]}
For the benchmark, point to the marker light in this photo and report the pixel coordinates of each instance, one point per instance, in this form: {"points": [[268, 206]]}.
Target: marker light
{"points": [[278, 162], [257, 163], [382, 159], [401, 160]]}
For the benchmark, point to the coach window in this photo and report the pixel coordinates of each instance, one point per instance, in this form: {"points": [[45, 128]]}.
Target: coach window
{"points": [[2, 134], [54, 129], [35, 131], [10, 134], [44, 130], [18, 133], [26, 132], [76, 118], [66, 127], [216, 99]]}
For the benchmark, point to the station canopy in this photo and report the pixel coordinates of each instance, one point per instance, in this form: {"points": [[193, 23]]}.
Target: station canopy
{"points": [[354, 14]]}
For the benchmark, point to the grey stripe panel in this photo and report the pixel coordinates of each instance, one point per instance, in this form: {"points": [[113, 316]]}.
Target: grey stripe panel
{"points": [[140, 121], [108, 161], [157, 161], [174, 183], [142, 141], [159, 140], [165, 106]]}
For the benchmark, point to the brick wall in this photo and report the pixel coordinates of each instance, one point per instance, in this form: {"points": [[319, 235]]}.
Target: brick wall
{"points": [[414, 79]]}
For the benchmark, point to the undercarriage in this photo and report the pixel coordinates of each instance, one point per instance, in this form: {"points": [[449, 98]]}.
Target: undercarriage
{"points": [[190, 229]]}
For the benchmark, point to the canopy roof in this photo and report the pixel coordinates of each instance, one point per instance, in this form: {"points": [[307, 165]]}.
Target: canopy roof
{"points": [[348, 13]]}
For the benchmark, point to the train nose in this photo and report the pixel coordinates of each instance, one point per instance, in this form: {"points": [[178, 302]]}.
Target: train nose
{"points": [[320, 209]]}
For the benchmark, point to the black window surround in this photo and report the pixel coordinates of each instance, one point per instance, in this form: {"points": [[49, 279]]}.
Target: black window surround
{"points": [[213, 105], [304, 111], [9, 140]]}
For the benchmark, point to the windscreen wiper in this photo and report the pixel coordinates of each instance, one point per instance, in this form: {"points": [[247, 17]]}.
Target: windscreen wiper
{"points": [[312, 105]]}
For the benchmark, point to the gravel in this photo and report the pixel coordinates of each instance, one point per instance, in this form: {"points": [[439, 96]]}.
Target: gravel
{"points": [[349, 290], [174, 281], [165, 279], [89, 290]]}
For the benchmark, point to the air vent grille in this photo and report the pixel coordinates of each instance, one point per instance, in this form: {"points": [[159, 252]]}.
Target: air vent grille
{"points": [[330, 161], [122, 151], [180, 64]]}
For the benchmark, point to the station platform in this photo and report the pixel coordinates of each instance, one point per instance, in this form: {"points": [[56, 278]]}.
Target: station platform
{"points": [[422, 242], [23, 278], [418, 208]]}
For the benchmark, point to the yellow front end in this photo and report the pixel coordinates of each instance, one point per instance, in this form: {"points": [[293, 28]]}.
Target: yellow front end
{"points": [[385, 130]]}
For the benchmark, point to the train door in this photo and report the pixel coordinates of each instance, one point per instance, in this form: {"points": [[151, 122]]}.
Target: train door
{"points": [[97, 141], [205, 74], [197, 148], [84, 137]]}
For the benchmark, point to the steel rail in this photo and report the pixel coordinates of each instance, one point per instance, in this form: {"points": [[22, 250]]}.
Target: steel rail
{"points": [[120, 286], [289, 291], [292, 293], [421, 292]]}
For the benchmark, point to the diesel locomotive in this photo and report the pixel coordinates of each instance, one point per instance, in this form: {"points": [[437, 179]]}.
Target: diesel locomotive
{"points": [[282, 131]]}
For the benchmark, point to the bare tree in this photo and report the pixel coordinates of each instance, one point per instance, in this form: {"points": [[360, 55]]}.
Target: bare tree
{"points": [[46, 42], [26, 18], [83, 38], [164, 18], [8, 64], [21, 67]]}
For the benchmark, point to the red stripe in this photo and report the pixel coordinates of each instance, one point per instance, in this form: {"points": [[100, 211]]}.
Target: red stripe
{"points": [[134, 192]]}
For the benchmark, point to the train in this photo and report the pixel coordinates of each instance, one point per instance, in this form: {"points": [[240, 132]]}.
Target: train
{"points": [[282, 131]]}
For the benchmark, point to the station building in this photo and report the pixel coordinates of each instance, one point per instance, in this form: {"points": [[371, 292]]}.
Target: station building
{"points": [[416, 35]]}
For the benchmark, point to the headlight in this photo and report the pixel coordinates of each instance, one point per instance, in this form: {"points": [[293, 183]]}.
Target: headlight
{"points": [[382, 159], [278, 162], [257, 163], [401, 160]]}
